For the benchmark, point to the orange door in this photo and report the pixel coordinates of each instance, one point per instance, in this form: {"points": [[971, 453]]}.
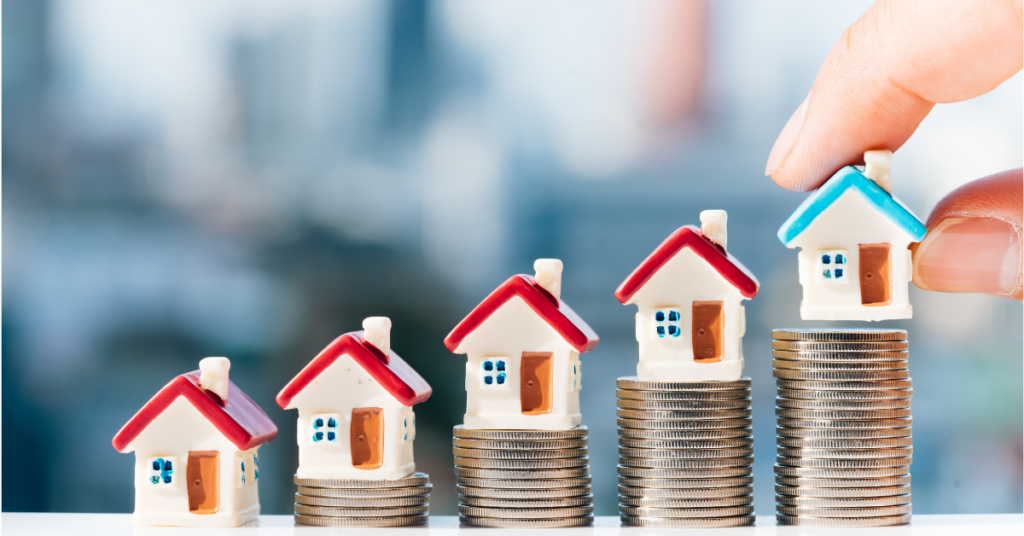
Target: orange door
{"points": [[706, 334], [367, 438], [203, 472], [535, 382], [875, 274]]}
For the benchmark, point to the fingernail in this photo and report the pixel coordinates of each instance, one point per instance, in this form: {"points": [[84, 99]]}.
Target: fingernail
{"points": [[786, 140], [969, 255]]}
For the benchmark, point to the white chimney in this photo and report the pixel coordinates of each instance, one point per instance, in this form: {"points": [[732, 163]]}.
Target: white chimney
{"points": [[878, 167], [213, 376], [712, 226], [549, 275], [377, 331]]}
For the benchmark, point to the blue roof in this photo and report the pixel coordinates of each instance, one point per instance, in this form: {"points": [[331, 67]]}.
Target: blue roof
{"points": [[845, 179]]}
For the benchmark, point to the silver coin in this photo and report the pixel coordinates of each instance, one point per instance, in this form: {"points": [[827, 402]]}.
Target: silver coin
{"points": [[686, 454], [580, 431], [804, 394], [732, 394], [580, 521], [842, 492], [684, 405], [695, 485], [401, 521], [845, 366], [643, 511], [541, 454], [838, 335], [814, 433], [567, 502], [877, 511], [695, 444], [552, 444], [840, 356], [525, 513], [419, 500], [902, 403], [509, 474], [842, 482], [845, 424], [846, 454], [523, 484], [811, 346], [850, 376], [415, 479], [717, 502], [690, 522], [812, 472], [796, 442], [844, 386], [816, 502], [523, 494], [846, 414], [302, 509], [660, 463], [685, 435], [633, 383], [843, 522], [675, 493], [522, 465], [826, 463], [367, 494], [656, 473], [710, 424], [683, 415]]}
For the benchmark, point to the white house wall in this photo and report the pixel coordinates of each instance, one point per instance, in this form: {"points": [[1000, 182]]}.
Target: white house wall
{"points": [[847, 223], [341, 387]]}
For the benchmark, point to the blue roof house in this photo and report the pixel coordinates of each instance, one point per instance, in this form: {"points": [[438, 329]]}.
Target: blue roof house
{"points": [[854, 237]]}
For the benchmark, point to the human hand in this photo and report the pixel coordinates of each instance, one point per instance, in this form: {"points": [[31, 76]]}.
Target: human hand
{"points": [[877, 84]]}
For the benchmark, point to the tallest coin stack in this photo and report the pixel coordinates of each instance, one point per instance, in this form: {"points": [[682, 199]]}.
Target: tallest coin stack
{"points": [[844, 427]]}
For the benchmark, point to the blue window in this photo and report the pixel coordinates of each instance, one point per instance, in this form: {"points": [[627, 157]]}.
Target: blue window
{"points": [[488, 379], [161, 472], [826, 259], [325, 427], [488, 366], [659, 316], [832, 265], [494, 373], [666, 322], [500, 378], [405, 429], [255, 468], [838, 272], [500, 366]]}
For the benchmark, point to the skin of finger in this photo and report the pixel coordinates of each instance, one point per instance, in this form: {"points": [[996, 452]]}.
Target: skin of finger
{"points": [[999, 196], [888, 69]]}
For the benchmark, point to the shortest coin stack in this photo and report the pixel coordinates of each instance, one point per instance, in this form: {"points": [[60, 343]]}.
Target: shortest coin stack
{"points": [[685, 453], [327, 502], [523, 478]]}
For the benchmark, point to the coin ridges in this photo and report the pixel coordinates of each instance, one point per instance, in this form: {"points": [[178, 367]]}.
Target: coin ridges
{"points": [[709, 424], [565, 502], [523, 494], [519, 435], [845, 366], [842, 482], [686, 435], [522, 465], [810, 346], [682, 484], [419, 500], [368, 493], [838, 335], [643, 511], [684, 493], [523, 474], [842, 492], [318, 521], [416, 479], [683, 522], [793, 403], [360, 512], [535, 454], [844, 386], [579, 521], [516, 484], [841, 357], [841, 376], [683, 405], [684, 444], [843, 522], [663, 463], [716, 502], [554, 444], [724, 472], [856, 502], [807, 394], [636, 384], [732, 394], [525, 513]]}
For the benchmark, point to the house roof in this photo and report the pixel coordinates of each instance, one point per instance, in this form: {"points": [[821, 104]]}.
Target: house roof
{"points": [[390, 371], [689, 236], [845, 179], [555, 312], [240, 420]]}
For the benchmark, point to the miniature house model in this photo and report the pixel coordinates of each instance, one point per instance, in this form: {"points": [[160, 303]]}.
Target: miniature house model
{"points": [[524, 344], [853, 237], [195, 446], [690, 322], [355, 403]]}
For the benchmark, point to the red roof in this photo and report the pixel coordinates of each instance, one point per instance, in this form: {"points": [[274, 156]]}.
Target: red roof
{"points": [[689, 236], [556, 313], [240, 419], [390, 371]]}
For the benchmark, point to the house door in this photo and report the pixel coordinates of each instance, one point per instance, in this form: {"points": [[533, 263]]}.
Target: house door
{"points": [[203, 474], [367, 438], [875, 274], [535, 375], [706, 334]]}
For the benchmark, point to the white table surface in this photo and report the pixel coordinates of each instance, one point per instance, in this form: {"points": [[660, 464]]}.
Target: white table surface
{"points": [[15, 524]]}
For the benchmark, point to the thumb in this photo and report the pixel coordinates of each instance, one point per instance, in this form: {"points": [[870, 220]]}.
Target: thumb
{"points": [[974, 239]]}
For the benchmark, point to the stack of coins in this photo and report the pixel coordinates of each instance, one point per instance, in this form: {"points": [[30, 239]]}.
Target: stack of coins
{"points": [[844, 443], [363, 503], [523, 478], [685, 453]]}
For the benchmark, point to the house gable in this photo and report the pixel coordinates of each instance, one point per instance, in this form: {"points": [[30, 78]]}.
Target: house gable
{"points": [[684, 278], [343, 382], [851, 220], [179, 428], [512, 325]]}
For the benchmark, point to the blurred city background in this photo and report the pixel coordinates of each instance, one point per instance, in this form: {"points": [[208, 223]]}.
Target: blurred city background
{"points": [[252, 178]]}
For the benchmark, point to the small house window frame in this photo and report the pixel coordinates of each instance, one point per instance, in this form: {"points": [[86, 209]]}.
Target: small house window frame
{"points": [[667, 322], [165, 478], [833, 266], [494, 373], [325, 428]]}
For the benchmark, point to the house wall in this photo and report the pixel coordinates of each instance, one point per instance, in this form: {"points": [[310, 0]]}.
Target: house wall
{"points": [[684, 279], [848, 222], [341, 387], [177, 430], [511, 330]]}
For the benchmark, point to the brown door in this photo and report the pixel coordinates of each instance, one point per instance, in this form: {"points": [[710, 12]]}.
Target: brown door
{"points": [[708, 324], [203, 473], [367, 438], [535, 382], [875, 274]]}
